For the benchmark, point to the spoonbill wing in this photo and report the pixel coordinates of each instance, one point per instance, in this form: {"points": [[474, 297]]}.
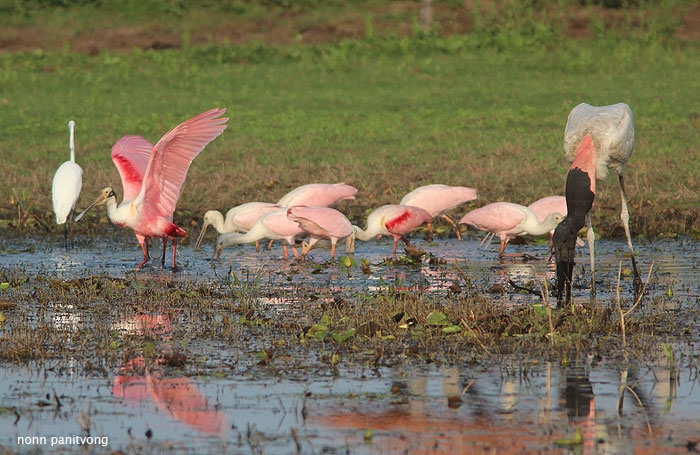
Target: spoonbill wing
{"points": [[172, 156], [131, 154]]}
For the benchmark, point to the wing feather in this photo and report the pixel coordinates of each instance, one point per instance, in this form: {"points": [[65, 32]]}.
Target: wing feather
{"points": [[171, 159], [131, 154]]}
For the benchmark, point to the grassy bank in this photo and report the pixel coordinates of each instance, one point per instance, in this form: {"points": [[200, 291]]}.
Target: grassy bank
{"points": [[383, 113]]}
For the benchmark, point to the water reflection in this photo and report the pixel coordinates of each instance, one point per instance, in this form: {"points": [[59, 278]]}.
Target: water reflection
{"points": [[462, 412], [138, 381], [179, 396]]}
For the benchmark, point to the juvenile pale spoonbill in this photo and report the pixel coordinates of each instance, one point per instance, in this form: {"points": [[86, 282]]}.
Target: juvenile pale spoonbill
{"points": [[238, 219], [275, 226]]}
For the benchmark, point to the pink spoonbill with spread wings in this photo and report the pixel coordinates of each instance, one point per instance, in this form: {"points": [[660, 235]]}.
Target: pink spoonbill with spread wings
{"points": [[320, 223], [152, 177], [392, 219], [438, 199], [507, 220], [596, 138]]}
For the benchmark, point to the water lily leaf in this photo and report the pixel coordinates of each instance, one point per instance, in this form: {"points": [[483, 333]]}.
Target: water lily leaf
{"points": [[437, 318], [575, 440], [260, 355], [540, 310], [343, 336], [317, 331], [451, 329], [4, 286]]}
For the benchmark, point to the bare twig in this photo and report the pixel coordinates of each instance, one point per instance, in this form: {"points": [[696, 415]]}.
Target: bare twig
{"points": [[475, 337]]}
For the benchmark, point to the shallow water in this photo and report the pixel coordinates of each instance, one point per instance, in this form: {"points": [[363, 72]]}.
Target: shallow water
{"points": [[416, 408]]}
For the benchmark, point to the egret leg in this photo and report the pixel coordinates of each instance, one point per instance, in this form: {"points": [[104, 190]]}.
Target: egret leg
{"points": [[65, 234], [590, 236], [625, 217]]}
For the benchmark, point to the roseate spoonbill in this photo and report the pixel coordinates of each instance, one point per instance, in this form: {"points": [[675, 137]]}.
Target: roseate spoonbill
{"points": [[152, 177], [238, 219], [507, 220], [320, 223], [275, 225], [67, 183], [318, 195], [438, 199], [595, 139], [392, 219]]}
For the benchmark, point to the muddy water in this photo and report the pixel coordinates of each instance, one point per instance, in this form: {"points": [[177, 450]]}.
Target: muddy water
{"points": [[511, 407]]}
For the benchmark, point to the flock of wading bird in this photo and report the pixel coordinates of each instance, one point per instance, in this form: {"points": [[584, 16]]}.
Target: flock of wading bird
{"points": [[595, 139]]}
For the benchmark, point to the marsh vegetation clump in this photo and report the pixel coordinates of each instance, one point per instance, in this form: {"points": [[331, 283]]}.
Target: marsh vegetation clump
{"points": [[101, 322]]}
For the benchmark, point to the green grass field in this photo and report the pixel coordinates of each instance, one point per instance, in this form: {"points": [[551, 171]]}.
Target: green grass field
{"points": [[385, 114]]}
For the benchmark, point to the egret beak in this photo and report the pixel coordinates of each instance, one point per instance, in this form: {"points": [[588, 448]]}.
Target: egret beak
{"points": [[106, 194]]}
